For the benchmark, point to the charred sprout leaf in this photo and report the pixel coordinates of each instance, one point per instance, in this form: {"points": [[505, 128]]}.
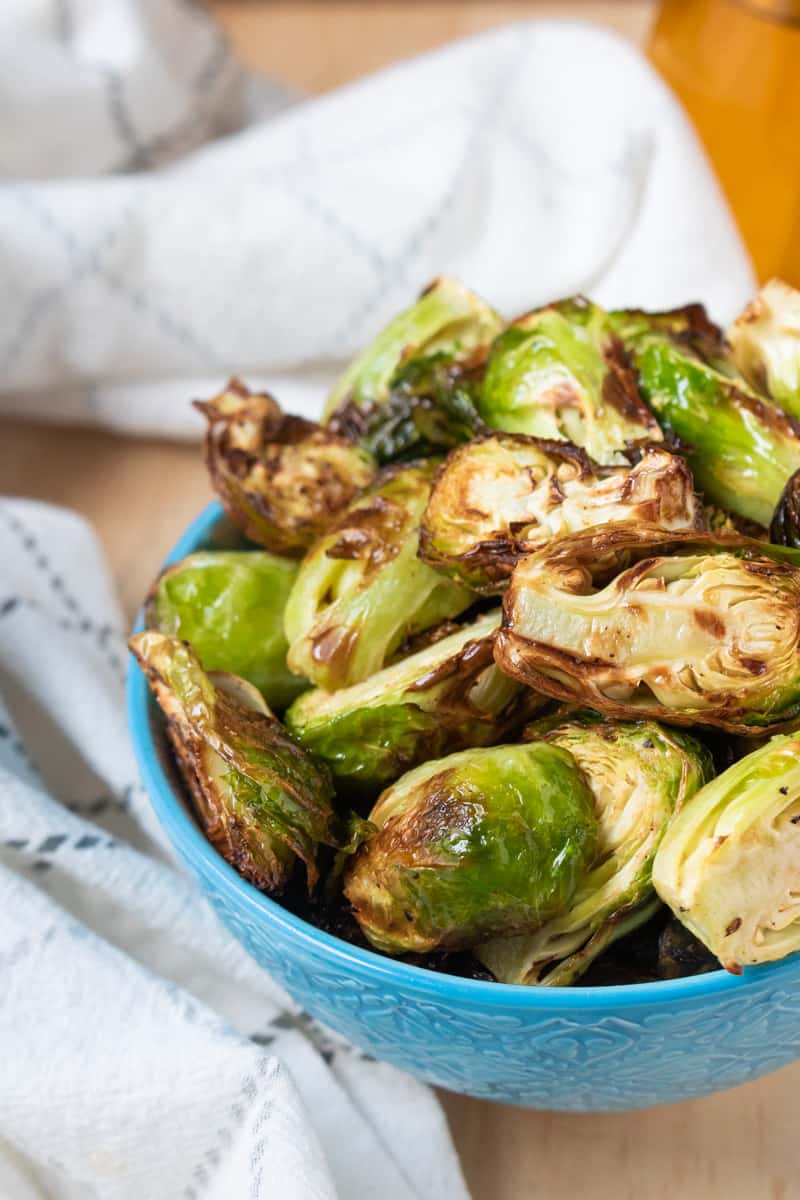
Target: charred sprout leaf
{"points": [[689, 628], [260, 796], [561, 373], [741, 448], [430, 408], [639, 775], [362, 590], [728, 865], [448, 320], [680, 953], [229, 605], [282, 479], [766, 344], [446, 697], [505, 495], [478, 844], [688, 327], [784, 529]]}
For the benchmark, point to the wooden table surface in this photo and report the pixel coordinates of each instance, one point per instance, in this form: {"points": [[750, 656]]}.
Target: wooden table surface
{"points": [[139, 494]]}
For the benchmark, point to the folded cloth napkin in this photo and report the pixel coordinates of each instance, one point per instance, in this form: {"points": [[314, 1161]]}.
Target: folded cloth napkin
{"points": [[143, 1055], [164, 220], [533, 162]]}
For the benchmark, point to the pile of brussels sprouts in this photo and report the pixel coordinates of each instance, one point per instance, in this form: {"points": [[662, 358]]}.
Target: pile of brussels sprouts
{"points": [[527, 601]]}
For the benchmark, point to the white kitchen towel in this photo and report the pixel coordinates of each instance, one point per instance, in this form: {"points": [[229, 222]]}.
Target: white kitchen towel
{"points": [[147, 250], [143, 1054], [165, 220]]}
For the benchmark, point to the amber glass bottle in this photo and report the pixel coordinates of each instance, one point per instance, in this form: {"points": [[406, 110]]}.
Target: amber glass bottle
{"points": [[735, 65]]}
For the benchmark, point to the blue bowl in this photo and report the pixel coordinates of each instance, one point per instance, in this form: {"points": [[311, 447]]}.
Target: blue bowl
{"points": [[586, 1050]]}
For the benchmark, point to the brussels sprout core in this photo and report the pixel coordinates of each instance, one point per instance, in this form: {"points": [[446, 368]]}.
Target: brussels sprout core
{"points": [[261, 798], [729, 865], [705, 629], [506, 495], [639, 775], [477, 844], [362, 590]]}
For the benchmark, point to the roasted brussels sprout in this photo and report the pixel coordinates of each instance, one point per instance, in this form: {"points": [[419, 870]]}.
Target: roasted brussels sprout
{"points": [[445, 697], [362, 590], [561, 373], [505, 495], [260, 797], [229, 605], [639, 775], [728, 865], [448, 323], [784, 528], [431, 408], [741, 448], [478, 844], [717, 520], [282, 479], [688, 327], [766, 344], [703, 629]]}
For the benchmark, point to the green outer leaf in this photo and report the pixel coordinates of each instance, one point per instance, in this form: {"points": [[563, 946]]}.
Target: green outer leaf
{"points": [[362, 590], [447, 316], [480, 843], [430, 407], [640, 774], [550, 375], [443, 698], [278, 789], [742, 448], [229, 605]]}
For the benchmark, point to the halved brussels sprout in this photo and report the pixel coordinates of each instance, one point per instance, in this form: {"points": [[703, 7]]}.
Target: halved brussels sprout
{"points": [[445, 697], [447, 323], [741, 448], [639, 774], [478, 844], [728, 865], [229, 605], [261, 798], [705, 629], [362, 590], [561, 373], [282, 479], [766, 344], [505, 495]]}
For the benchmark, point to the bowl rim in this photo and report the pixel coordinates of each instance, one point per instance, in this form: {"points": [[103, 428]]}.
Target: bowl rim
{"points": [[193, 847]]}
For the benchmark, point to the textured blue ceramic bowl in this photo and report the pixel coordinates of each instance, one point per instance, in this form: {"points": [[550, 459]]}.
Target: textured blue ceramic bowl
{"points": [[588, 1049]]}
